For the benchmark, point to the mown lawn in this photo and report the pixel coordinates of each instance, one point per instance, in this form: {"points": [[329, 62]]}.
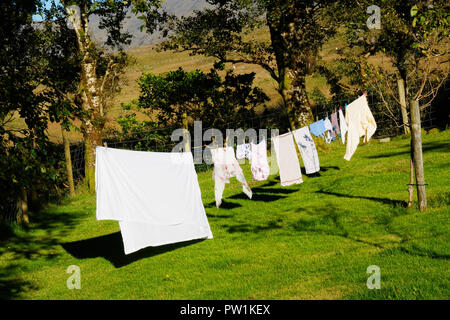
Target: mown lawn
{"points": [[308, 241]]}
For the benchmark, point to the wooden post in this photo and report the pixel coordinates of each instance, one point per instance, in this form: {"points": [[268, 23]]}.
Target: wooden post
{"points": [[402, 95], [187, 140], [68, 162], [416, 144], [411, 178]]}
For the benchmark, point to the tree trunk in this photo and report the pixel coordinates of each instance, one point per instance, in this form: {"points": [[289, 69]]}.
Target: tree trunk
{"points": [[416, 139], [68, 163], [93, 123], [92, 138], [22, 206], [402, 95], [292, 88], [292, 68]]}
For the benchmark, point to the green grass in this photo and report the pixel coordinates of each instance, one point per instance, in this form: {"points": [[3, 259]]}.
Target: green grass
{"points": [[308, 241]]}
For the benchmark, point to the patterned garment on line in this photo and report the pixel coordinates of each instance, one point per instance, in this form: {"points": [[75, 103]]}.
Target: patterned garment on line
{"points": [[226, 167]]}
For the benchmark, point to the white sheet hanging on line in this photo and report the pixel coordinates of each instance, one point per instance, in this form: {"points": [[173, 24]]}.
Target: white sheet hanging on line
{"points": [[361, 123], [287, 159], [155, 196], [260, 165], [308, 151], [226, 167]]}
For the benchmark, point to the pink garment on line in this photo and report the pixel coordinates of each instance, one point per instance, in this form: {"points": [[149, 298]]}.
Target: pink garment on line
{"points": [[260, 165], [225, 167]]}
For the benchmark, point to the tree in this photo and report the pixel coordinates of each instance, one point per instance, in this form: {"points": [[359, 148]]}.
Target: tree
{"points": [[414, 37], [28, 160], [177, 95], [297, 30], [91, 86]]}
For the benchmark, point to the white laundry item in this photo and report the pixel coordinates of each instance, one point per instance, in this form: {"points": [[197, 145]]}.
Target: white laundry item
{"points": [[329, 132], [360, 122], [342, 125], [260, 165], [307, 149], [226, 167], [287, 158], [243, 151], [155, 196]]}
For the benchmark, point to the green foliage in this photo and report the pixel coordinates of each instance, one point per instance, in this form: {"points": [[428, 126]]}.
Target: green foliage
{"points": [[37, 66], [434, 130], [203, 96], [318, 97], [297, 31]]}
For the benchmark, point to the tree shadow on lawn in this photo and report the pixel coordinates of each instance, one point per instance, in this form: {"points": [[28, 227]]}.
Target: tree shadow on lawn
{"points": [[246, 227], [23, 242], [428, 146], [110, 247], [11, 284], [326, 220], [394, 203]]}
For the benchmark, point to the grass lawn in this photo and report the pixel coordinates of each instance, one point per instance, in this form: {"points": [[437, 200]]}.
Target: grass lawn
{"points": [[308, 241]]}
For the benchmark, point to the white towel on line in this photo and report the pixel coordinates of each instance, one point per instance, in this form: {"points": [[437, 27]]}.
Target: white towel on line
{"points": [[308, 150], [287, 159]]}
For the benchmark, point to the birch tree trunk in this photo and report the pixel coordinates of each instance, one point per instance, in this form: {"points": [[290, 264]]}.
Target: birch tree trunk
{"points": [[402, 95], [92, 104]]}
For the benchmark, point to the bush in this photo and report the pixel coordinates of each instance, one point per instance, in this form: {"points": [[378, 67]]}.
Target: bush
{"points": [[434, 130]]}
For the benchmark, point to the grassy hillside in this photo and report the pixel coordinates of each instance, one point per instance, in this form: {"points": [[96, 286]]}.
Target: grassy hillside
{"points": [[308, 241], [147, 59]]}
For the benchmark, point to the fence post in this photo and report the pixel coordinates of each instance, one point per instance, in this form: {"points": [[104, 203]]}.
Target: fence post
{"points": [[187, 140], [68, 162], [416, 144]]}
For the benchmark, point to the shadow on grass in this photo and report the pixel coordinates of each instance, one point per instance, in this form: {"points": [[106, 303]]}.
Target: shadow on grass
{"points": [[249, 228], [110, 247], [395, 203], [322, 169], [273, 190], [428, 146], [326, 220], [11, 284], [19, 242], [258, 197], [224, 205]]}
